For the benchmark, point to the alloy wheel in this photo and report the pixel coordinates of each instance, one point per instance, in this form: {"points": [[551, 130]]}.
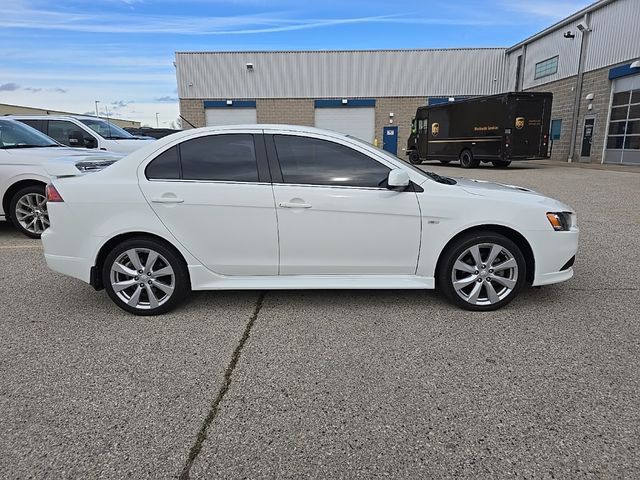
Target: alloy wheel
{"points": [[31, 213], [484, 274], [142, 278]]}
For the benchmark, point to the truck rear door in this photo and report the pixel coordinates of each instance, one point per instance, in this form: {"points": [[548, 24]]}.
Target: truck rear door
{"points": [[527, 129]]}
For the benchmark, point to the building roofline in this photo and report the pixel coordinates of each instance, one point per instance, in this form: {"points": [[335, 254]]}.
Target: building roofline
{"points": [[556, 26], [58, 113], [211, 52]]}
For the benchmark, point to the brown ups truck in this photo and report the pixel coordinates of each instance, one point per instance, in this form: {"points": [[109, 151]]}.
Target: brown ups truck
{"points": [[497, 129]]}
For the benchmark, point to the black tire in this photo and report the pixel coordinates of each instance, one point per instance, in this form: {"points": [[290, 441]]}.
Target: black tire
{"points": [[501, 163], [167, 256], [467, 160], [486, 239], [445, 162], [414, 157], [37, 212]]}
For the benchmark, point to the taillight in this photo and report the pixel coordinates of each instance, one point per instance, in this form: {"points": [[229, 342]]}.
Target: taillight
{"points": [[53, 195]]}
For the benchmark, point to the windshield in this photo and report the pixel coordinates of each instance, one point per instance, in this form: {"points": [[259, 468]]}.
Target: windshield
{"points": [[14, 134], [107, 129]]}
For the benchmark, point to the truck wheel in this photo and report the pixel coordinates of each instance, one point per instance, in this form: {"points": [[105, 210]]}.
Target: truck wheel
{"points": [[501, 163], [445, 162], [467, 160], [414, 157]]}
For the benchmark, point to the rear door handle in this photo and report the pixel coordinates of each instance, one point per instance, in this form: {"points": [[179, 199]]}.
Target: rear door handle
{"points": [[294, 205], [167, 200]]}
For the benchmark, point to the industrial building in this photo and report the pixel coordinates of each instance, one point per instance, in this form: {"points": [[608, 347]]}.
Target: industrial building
{"points": [[7, 109], [590, 61]]}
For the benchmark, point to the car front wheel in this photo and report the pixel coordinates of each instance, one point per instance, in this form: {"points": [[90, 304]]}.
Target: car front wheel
{"points": [[29, 211], [483, 271], [145, 277]]}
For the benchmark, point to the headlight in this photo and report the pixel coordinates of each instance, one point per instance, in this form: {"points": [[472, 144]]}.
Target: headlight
{"points": [[560, 221]]}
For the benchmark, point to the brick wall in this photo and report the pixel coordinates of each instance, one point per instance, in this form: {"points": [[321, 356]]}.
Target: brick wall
{"points": [[293, 111], [596, 82], [562, 108], [193, 110], [403, 109]]}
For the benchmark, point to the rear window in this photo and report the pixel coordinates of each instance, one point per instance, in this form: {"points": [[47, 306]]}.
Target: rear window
{"points": [[229, 157], [165, 166]]}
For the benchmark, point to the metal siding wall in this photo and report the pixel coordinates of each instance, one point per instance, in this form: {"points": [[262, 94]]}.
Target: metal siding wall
{"points": [[616, 34], [568, 51], [340, 74]]}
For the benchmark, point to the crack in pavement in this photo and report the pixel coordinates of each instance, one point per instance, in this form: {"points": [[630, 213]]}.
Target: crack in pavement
{"points": [[226, 383]]}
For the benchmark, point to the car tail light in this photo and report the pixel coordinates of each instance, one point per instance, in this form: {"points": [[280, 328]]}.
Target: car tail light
{"points": [[53, 195]]}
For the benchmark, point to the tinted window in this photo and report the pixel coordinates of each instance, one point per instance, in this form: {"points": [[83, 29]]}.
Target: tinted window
{"points": [[220, 157], [621, 98], [164, 166], [319, 162], [69, 133], [37, 124]]}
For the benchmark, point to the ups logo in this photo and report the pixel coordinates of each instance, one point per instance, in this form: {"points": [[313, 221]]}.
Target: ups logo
{"points": [[519, 123], [435, 129]]}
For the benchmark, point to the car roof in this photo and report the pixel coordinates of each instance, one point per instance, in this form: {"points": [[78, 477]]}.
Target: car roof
{"points": [[54, 117]]}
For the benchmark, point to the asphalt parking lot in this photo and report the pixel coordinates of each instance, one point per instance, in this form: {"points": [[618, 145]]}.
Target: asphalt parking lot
{"points": [[348, 384]]}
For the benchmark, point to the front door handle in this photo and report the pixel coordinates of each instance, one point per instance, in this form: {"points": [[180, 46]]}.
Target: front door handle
{"points": [[294, 205], [167, 200]]}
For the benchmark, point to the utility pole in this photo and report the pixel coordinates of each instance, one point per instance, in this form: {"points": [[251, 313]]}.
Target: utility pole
{"points": [[97, 102], [157, 124]]}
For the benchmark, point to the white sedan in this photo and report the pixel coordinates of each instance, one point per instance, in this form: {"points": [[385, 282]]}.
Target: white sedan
{"points": [[285, 207], [23, 151]]}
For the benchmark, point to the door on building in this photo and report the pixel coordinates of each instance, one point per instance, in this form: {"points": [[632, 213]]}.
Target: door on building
{"points": [[355, 118], [238, 113], [390, 139], [587, 139]]}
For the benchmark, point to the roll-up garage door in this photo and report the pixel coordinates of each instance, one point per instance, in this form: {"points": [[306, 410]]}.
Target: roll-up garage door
{"points": [[358, 121], [230, 116]]}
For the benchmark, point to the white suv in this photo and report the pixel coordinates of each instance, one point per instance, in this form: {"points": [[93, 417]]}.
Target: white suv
{"points": [[23, 151], [84, 132]]}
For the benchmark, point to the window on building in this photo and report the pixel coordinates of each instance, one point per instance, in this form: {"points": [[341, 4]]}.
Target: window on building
{"points": [[312, 161], [229, 157], [624, 121], [556, 128], [546, 67], [165, 166]]}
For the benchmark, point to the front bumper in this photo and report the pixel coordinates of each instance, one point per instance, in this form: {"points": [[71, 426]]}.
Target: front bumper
{"points": [[553, 252]]}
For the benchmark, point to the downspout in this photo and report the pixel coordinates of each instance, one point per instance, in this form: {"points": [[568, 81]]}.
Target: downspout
{"points": [[584, 40]]}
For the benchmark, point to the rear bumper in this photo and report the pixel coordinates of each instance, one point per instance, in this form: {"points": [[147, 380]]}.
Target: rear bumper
{"points": [[72, 266]]}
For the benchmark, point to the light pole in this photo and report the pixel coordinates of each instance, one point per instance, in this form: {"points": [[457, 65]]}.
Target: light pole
{"points": [[157, 124], [97, 102]]}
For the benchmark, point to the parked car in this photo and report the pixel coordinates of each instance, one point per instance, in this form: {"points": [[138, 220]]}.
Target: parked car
{"points": [[84, 132], [287, 207], [23, 150]]}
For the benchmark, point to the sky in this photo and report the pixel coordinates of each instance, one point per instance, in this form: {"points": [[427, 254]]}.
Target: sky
{"points": [[66, 54]]}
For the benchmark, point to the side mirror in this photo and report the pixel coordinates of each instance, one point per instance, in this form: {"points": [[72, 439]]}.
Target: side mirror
{"points": [[398, 179], [90, 142]]}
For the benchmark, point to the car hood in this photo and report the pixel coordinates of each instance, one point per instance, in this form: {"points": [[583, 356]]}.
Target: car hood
{"points": [[35, 156], [505, 192]]}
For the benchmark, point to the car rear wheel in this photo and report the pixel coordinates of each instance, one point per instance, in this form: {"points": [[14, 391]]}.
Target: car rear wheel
{"points": [[145, 277], [28, 209], [414, 157], [501, 163], [467, 160], [483, 271]]}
